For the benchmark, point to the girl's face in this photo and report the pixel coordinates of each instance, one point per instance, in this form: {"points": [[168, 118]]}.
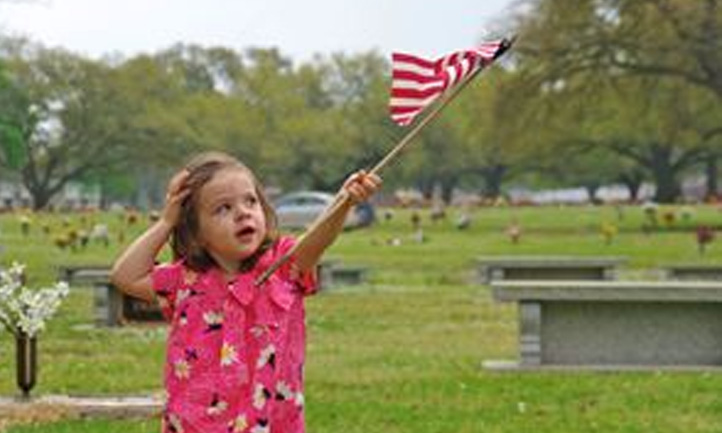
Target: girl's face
{"points": [[231, 222]]}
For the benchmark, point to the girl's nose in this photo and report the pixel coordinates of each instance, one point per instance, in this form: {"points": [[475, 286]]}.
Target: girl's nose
{"points": [[241, 211]]}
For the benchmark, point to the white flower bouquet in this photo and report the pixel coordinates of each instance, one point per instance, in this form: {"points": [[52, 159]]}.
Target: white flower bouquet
{"points": [[24, 310]]}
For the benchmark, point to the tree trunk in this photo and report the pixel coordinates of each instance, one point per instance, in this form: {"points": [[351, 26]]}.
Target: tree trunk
{"points": [[426, 187], [493, 179], [665, 177], [711, 170], [41, 198], [447, 189], [633, 181], [592, 190]]}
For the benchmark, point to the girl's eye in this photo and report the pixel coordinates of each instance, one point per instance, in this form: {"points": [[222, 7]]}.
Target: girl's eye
{"points": [[251, 201], [223, 208]]}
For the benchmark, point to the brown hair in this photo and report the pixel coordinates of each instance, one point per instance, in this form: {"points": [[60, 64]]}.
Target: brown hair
{"points": [[185, 237]]}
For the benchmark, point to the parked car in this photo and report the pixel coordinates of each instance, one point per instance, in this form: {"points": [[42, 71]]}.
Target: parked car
{"points": [[298, 210]]}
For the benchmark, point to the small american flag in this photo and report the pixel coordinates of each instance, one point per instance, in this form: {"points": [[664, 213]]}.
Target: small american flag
{"points": [[417, 82]]}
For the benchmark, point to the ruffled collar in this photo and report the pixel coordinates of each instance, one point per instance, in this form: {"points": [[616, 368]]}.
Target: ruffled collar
{"points": [[242, 286], [260, 259]]}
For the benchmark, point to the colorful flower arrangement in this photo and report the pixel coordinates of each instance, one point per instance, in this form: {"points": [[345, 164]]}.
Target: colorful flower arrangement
{"points": [[24, 311], [705, 235]]}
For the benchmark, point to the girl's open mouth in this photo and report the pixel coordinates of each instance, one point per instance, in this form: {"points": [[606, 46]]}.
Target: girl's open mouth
{"points": [[244, 232]]}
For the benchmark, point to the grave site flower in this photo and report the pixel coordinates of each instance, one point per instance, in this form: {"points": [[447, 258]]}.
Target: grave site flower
{"points": [[705, 235], [24, 310], [651, 210], [686, 213], [609, 231], [669, 218], [514, 233]]}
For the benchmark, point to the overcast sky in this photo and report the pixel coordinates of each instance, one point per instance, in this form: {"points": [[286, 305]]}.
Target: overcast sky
{"points": [[298, 28]]}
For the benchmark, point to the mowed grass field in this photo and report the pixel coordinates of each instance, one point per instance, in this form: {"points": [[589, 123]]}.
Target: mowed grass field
{"points": [[403, 352]]}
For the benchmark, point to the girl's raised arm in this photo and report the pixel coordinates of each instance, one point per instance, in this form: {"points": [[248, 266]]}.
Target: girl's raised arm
{"points": [[360, 186], [131, 272]]}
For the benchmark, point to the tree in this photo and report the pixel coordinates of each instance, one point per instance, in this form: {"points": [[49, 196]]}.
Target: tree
{"points": [[485, 117], [662, 54], [14, 118], [316, 122], [75, 123], [357, 87]]}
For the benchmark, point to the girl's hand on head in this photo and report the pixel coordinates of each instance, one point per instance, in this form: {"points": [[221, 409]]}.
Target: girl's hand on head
{"points": [[176, 193], [362, 185]]}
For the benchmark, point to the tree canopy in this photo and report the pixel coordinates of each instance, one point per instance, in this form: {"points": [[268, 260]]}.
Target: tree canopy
{"points": [[594, 92]]}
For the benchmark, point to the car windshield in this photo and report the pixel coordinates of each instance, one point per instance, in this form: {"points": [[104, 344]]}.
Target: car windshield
{"points": [[302, 200]]}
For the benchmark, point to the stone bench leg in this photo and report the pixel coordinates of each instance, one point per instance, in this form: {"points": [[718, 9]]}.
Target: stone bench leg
{"points": [[108, 305], [530, 333]]}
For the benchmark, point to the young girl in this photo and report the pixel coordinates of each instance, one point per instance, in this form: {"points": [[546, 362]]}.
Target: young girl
{"points": [[235, 351]]}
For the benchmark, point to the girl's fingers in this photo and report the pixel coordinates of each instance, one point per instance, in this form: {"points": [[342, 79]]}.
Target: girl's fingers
{"points": [[178, 180], [371, 181], [178, 190], [357, 191], [177, 185], [355, 178], [179, 196], [361, 185]]}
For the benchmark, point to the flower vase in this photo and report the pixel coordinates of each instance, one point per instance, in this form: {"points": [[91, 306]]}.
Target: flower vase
{"points": [[26, 362]]}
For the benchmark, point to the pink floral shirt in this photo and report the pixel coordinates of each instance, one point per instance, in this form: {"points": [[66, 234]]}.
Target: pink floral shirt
{"points": [[235, 352]]}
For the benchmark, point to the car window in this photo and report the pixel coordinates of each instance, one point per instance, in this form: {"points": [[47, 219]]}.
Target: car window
{"points": [[316, 201], [290, 201], [301, 201]]}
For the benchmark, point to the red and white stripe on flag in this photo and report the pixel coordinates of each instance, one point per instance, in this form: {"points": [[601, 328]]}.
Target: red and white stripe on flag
{"points": [[417, 82]]}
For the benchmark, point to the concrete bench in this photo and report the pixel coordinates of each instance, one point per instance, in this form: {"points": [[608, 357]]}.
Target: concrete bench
{"points": [[111, 306], [333, 273], [493, 268], [115, 308], [114, 407], [83, 274], [694, 272], [615, 325]]}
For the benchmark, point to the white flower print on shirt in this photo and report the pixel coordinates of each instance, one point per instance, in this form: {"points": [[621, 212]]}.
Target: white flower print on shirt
{"points": [[258, 330], [299, 399], [261, 427], [267, 357], [183, 320], [174, 424], [229, 355], [214, 320], [260, 396], [182, 295], [217, 406], [182, 369], [238, 425], [283, 391]]}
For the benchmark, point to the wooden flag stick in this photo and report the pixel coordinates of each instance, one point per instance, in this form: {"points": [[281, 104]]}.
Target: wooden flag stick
{"points": [[342, 197]]}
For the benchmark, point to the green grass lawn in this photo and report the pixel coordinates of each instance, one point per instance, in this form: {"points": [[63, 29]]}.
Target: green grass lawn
{"points": [[403, 353]]}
